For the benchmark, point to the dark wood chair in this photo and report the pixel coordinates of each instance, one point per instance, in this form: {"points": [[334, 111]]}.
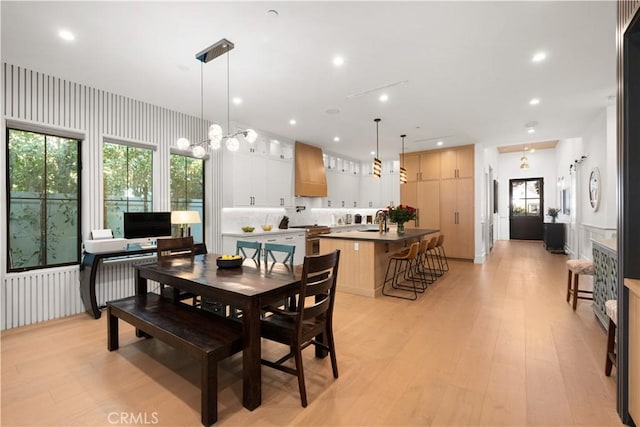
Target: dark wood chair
{"points": [[312, 320], [172, 248]]}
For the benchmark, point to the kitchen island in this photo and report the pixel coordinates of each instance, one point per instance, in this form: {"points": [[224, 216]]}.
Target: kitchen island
{"points": [[364, 255]]}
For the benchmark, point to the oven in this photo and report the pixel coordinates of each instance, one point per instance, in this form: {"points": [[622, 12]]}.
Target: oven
{"points": [[313, 240]]}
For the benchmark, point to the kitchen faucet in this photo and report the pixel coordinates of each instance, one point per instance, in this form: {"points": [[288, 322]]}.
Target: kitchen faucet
{"points": [[383, 214]]}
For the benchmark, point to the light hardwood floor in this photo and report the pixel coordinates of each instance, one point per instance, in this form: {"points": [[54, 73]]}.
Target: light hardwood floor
{"points": [[492, 344]]}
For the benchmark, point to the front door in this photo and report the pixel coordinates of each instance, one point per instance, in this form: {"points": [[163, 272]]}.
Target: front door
{"points": [[525, 208]]}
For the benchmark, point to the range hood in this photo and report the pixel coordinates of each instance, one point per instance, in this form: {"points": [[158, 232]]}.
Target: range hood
{"points": [[310, 175]]}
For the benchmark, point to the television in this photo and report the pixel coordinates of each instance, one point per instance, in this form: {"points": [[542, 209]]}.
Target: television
{"points": [[144, 227]]}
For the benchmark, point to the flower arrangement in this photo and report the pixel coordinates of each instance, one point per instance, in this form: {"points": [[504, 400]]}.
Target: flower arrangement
{"points": [[401, 213], [553, 213]]}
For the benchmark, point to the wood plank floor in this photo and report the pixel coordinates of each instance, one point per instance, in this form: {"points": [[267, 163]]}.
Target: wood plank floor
{"points": [[492, 344]]}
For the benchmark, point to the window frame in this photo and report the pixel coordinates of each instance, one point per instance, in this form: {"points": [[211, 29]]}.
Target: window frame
{"points": [[204, 185], [10, 126], [129, 145]]}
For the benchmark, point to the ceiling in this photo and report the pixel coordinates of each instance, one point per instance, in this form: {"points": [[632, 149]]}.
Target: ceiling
{"points": [[460, 72], [540, 145]]}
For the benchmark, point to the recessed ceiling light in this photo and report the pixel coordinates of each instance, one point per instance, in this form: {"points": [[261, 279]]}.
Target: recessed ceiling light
{"points": [[533, 150], [292, 122], [384, 97], [336, 139], [275, 141], [526, 148], [66, 35], [237, 100], [539, 57], [373, 153], [534, 101], [439, 143], [531, 130], [338, 61]]}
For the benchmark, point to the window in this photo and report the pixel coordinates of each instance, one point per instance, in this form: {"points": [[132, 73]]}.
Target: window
{"points": [[128, 185], [43, 179], [187, 190], [525, 197]]}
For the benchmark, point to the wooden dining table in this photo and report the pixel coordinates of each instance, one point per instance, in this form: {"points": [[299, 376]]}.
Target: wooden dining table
{"points": [[249, 288]]}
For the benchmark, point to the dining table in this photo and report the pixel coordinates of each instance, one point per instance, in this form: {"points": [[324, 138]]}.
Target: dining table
{"points": [[248, 287]]}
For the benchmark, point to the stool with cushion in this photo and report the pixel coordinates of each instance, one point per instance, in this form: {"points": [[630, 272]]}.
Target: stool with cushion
{"points": [[611, 307], [576, 268]]}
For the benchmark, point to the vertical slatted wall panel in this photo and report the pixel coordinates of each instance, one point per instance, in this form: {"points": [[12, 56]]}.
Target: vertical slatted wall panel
{"points": [[36, 98]]}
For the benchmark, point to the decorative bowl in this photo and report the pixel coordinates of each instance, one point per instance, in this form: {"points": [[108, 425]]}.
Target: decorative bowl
{"points": [[248, 229], [229, 262], [267, 227]]}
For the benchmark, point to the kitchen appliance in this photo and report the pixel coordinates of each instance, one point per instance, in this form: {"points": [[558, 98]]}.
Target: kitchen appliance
{"points": [[369, 219], [313, 241], [357, 219], [348, 219]]}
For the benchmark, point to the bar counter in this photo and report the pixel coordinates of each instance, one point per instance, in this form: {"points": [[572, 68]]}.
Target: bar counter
{"points": [[364, 256]]}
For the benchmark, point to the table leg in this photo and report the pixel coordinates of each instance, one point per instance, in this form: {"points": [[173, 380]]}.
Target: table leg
{"points": [[251, 367]]}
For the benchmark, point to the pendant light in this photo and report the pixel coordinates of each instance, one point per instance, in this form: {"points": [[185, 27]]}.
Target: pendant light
{"points": [[524, 162], [215, 133], [403, 171], [377, 163]]}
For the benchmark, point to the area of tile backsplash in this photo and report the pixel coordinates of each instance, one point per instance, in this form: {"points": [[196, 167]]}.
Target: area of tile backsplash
{"points": [[233, 219]]}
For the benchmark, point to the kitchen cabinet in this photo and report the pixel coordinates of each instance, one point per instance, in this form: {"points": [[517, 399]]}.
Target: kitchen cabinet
{"points": [[423, 166], [370, 191], [279, 180], [424, 196], [295, 238], [389, 189], [457, 162], [254, 179], [342, 189], [249, 183], [457, 217]]}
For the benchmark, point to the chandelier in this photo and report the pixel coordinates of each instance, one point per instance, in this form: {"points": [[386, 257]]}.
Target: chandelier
{"points": [[403, 171], [215, 133], [377, 163], [524, 162]]}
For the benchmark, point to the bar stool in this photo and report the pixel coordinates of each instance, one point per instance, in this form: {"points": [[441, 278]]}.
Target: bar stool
{"points": [[611, 307], [434, 262], [441, 253], [576, 268], [404, 264]]}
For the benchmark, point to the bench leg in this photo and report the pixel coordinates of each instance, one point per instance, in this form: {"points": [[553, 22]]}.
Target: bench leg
{"points": [[611, 343], [112, 331], [576, 286], [569, 287], [209, 391]]}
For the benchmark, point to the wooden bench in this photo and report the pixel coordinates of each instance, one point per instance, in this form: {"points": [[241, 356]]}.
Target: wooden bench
{"points": [[204, 335]]}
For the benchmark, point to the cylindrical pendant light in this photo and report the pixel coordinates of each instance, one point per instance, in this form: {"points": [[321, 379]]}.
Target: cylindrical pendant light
{"points": [[377, 163], [403, 171]]}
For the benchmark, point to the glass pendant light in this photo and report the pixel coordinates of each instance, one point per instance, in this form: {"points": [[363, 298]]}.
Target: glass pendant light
{"points": [[403, 171], [377, 163]]}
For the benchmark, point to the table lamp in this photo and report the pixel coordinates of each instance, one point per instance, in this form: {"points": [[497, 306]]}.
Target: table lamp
{"points": [[185, 218]]}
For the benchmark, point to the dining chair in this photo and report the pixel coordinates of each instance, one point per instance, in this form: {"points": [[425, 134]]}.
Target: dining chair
{"points": [[311, 323], [276, 252], [173, 248], [243, 248]]}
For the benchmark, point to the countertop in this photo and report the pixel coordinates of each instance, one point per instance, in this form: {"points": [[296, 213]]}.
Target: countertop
{"points": [[611, 244], [259, 232], [375, 236]]}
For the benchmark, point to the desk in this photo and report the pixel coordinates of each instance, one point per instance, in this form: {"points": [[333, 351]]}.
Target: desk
{"points": [[248, 288]]}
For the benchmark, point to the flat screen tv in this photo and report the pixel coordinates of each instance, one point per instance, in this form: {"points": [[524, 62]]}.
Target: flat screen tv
{"points": [[142, 225]]}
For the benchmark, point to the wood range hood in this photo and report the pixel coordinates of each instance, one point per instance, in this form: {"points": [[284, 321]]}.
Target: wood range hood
{"points": [[310, 175]]}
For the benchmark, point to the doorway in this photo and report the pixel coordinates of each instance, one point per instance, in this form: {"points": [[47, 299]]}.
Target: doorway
{"points": [[526, 208]]}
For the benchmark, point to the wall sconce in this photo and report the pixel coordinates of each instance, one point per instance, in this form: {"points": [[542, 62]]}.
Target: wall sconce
{"points": [[183, 218]]}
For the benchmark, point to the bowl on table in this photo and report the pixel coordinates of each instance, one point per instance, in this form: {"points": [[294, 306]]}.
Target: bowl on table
{"points": [[248, 229], [229, 261], [267, 227]]}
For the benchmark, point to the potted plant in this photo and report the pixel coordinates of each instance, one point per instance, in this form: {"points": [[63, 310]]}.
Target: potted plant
{"points": [[553, 213], [401, 214]]}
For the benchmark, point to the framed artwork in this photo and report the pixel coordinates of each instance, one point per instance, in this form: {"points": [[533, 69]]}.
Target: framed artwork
{"points": [[594, 188]]}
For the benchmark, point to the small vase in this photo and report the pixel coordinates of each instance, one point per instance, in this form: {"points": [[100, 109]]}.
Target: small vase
{"points": [[400, 229], [553, 219]]}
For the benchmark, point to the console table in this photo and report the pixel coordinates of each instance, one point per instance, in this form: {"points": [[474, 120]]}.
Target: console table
{"points": [[91, 264], [89, 270], [605, 277], [554, 237]]}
